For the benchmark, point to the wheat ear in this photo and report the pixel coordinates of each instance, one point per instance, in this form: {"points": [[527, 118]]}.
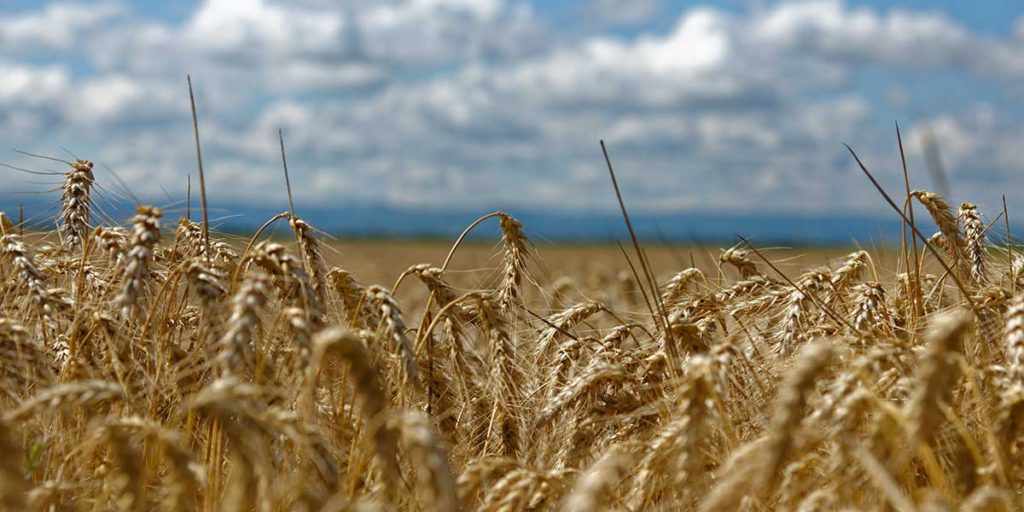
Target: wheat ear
{"points": [[74, 209]]}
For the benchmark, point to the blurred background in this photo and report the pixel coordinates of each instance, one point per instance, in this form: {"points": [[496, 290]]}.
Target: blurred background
{"points": [[411, 118]]}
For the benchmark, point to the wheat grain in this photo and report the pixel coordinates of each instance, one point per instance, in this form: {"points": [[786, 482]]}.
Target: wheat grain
{"points": [[236, 345], [310, 248], [394, 330], [677, 286], [74, 210], [139, 259], [936, 373], [64, 396], [513, 240], [46, 301], [974, 240], [435, 476], [594, 486], [740, 259]]}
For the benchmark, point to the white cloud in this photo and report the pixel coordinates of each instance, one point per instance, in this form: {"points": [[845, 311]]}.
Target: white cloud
{"points": [[58, 26], [977, 136], [829, 29], [25, 85], [422, 32], [116, 98], [249, 26], [415, 33], [441, 102]]}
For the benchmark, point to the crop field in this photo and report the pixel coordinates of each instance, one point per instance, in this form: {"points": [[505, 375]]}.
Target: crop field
{"points": [[511, 256], [161, 367]]}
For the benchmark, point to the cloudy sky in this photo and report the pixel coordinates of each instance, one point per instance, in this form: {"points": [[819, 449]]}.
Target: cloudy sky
{"points": [[738, 106]]}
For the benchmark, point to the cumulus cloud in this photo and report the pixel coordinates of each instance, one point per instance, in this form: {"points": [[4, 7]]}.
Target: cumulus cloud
{"points": [[483, 103], [830, 29], [25, 85], [56, 27], [438, 31], [257, 28]]}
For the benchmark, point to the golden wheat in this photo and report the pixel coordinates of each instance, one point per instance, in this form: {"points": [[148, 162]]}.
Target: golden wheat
{"points": [[179, 376]]}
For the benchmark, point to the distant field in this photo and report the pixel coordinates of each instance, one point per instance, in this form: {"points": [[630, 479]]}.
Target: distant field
{"points": [[379, 261]]}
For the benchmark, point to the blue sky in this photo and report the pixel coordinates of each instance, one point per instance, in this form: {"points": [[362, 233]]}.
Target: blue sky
{"points": [[732, 106]]}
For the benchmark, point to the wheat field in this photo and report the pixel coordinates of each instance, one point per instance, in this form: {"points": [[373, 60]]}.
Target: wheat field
{"points": [[163, 367]]}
